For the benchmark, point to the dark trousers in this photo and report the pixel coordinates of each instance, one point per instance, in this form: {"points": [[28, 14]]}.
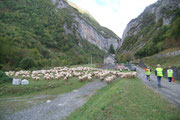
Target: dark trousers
{"points": [[148, 77], [159, 81], [170, 79]]}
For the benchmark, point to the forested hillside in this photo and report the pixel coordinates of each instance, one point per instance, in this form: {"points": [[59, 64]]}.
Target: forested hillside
{"points": [[32, 35], [153, 31]]}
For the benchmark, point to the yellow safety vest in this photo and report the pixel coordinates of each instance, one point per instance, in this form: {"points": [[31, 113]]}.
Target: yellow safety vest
{"points": [[169, 73], [159, 72], [148, 72]]}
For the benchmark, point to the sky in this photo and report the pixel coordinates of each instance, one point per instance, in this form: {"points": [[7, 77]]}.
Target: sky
{"points": [[114, 14]]}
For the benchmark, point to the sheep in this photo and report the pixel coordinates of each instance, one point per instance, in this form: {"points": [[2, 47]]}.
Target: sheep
{"points": [[56, 78], [66, 78], [47, 78], [101, 78], [34, 78], [89, 78], [80, 78], [37, 78], [109, 79], [17, 74], [129, 75], [52, 77], [134, 74], [27, 76], [24, 76]]}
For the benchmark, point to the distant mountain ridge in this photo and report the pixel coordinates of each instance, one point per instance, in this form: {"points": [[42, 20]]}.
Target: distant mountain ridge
{"points": [[154, 30]]}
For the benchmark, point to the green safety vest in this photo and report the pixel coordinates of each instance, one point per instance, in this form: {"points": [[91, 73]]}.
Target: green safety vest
{"points": [[148, 72], [169, 73], [120, 70], [159, 72]]}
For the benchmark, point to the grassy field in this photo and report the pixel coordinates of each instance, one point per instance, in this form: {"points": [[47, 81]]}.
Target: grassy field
{"points": [[164, 61], [152, 61], [42, 86], [126, 99], [85, 65]]}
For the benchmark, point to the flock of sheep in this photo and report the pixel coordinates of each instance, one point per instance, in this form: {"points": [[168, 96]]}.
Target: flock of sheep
{"points": [[83, 73]]}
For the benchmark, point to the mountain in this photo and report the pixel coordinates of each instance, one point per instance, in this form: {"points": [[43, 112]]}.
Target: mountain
{"points": [[46, 33], [157, 28]]}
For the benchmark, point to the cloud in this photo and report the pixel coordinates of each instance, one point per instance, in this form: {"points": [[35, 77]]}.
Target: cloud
{"points": [[114, 14]]}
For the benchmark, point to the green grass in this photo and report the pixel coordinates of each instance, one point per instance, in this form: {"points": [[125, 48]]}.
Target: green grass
{"points": [[85, 65], [177, 81], [164, 61], [52, 87], [126, 99]]}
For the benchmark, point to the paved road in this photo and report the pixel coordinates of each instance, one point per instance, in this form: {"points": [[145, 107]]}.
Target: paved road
{"points": [[60, 107], [170, 91]]}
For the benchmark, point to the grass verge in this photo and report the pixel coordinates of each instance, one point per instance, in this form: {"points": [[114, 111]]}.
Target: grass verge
{"points": [[86, 65], [164, 61], [42, 86], [126, 99]]}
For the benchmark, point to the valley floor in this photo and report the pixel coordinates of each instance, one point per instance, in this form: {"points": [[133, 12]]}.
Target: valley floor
{"points": [[124, 99]]}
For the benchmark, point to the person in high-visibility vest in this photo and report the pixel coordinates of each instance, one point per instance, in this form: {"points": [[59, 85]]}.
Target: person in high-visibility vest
{"points": [[169, 74], [120, 70], [159, 74], [148, 73]]}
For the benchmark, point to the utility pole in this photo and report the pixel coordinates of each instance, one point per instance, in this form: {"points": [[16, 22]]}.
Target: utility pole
{"points": [[103, 60], [91, 60]]}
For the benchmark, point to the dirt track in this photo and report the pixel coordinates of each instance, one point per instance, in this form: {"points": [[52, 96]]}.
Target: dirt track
{"points": [[170, 91], [60, 107]]}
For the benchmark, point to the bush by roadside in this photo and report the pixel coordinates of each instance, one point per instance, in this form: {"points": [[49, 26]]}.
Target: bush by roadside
{"points": [[4, 78]]}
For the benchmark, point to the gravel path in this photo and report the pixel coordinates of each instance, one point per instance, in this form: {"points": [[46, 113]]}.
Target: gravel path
{"points": [[170, 91], [60, 107]]}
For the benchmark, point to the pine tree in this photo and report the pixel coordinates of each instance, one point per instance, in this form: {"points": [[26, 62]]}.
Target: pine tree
{"points": [[111, 49]]}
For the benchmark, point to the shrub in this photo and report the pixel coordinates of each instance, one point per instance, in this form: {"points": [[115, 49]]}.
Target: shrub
{"points": [[127, 57], [4, 78], [27, 63]]}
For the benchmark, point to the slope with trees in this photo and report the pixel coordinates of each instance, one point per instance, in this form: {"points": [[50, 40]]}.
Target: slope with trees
{"points": [[32, 31]]}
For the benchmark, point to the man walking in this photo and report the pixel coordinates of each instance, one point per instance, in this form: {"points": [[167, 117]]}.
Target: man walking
{"points": [[159, 74], [169, 74], [148, 73]]}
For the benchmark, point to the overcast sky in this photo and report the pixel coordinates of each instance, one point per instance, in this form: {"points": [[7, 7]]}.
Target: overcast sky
{"points": [[114, 14]]}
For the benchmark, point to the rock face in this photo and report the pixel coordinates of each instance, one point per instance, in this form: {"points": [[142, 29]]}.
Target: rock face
{"points": [[83, 28], [89, 33], [60, 4], [156, 11], [167, 54], [110, 59]]}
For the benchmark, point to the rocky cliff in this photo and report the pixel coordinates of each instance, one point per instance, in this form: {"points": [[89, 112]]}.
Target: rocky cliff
{"points": [[85, 28], [140, 31]]}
